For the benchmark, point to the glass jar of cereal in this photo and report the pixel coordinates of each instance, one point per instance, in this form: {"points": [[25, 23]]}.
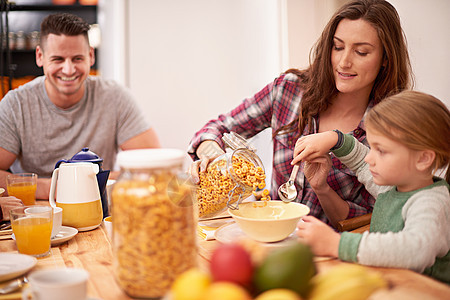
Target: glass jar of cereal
{"points": [[230, 178], [154, 222]]}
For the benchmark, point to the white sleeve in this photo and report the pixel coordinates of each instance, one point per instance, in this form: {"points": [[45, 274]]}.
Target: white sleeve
{"points": [[425, 236]]}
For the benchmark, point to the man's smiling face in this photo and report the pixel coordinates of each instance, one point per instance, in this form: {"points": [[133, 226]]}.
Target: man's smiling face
{"points": [[66, 61]]}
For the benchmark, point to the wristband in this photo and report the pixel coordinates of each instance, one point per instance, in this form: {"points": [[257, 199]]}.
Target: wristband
{"points": [[340, 140]]}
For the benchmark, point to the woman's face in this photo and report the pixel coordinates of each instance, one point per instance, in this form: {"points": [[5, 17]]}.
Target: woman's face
{"points": [[356, 57]]}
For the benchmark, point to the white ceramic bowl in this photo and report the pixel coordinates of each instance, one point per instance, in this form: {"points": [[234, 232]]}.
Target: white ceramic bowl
{"points": [[268, 223]]}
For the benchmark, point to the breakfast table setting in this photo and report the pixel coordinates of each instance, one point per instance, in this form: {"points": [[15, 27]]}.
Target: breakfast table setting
{"points": [[155, 226], [92, 251]]}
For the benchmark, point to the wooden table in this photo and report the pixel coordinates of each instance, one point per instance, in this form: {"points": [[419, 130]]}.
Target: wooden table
{"points": [[92, 251]]}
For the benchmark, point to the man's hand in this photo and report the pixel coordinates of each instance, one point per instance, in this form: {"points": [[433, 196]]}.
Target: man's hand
{"points": [[43, 188], [9, 203]]}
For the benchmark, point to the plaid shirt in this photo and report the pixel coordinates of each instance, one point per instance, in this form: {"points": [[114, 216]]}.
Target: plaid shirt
{"points": [[275, 106]]}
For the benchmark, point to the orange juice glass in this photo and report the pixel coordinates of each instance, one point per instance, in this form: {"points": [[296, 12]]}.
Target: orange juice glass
{"points": [[32, 228], [23, 186]]}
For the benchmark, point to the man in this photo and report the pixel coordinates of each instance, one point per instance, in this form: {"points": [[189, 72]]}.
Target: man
{"points": [[54, 116]]}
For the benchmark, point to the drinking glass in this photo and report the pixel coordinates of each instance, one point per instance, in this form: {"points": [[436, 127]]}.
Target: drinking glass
{"points": [[32, 228], [23, 186]]}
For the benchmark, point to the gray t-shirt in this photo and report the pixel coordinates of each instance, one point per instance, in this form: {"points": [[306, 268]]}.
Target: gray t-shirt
{"points": [[40, 133]]}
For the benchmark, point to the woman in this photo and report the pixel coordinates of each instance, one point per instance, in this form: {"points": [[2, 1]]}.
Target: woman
{"points": [[360, 58]]}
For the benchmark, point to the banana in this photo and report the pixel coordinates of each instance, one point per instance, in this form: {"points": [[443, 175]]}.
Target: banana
{"points": [[346, 282]]}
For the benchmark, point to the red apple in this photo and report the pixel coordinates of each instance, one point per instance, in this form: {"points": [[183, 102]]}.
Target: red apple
{"points": [[231, 262]]}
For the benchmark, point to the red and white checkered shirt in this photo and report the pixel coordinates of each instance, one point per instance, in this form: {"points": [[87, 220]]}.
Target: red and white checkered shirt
{"points": [[275, 106]]}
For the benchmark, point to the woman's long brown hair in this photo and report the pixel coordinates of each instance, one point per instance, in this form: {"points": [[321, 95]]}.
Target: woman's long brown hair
{"points": [[317, 81]]}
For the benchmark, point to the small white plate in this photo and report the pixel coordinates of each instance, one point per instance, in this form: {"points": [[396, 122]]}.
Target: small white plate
{"points": [[232, 232], [65, 234], [14, 264]]}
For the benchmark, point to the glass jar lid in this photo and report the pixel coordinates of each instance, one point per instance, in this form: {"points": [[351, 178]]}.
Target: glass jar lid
{"points": [[150, 158], [235, 141]]}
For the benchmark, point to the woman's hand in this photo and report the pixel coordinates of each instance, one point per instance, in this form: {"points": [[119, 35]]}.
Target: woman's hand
{"points": [[313, 150], [207, 151], [322, 239], [312, 146], [198, 166], [316, 172], [9, 203]]}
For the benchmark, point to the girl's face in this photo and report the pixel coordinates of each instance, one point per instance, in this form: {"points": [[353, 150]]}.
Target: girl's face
{"points": [[356, 57], [390, 162]]}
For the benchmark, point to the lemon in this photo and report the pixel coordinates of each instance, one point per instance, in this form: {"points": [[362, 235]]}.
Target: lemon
{"points": [[190, 285], [291, 267], [278, 294], [223, 290]]}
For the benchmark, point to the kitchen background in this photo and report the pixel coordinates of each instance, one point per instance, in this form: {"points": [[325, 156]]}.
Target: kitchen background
{"points": [[188, 61]]}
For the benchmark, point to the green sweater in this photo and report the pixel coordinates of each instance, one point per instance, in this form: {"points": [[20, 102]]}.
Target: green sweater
{"points": [[408, 230]]}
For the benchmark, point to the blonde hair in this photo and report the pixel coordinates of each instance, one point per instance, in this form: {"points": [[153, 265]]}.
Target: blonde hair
{"points": [[417, 120]]}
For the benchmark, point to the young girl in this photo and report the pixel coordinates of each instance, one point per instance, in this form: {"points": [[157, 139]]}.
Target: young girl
{"points": [[410, 228]]}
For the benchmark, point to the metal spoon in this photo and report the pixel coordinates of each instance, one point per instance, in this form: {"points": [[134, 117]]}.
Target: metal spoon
{"points": [[13, 286], [287, 190]]}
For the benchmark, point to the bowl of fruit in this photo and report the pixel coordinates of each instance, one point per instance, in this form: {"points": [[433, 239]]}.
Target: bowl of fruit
{"points": [[268, 221]]}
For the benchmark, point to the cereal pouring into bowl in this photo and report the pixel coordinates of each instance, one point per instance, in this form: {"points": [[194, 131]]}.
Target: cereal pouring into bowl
{"points": [[231, 178], [228, 180]]}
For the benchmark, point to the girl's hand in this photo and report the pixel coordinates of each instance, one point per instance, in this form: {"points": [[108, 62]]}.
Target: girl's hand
{"points": [[322, 239], [312, 146]]}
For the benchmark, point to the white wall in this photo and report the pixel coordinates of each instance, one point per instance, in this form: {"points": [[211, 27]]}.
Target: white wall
{"points": [[306, 20], [427, 28], [191, 60], [112, 51]]}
